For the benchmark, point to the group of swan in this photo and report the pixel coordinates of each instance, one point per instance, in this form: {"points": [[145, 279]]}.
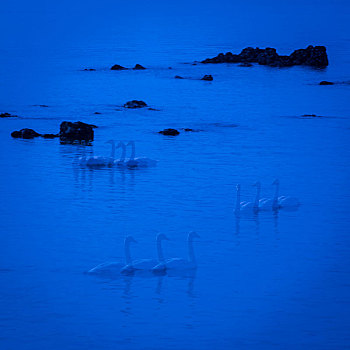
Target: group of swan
{"points": [[152, 265], [132, 162], [264, 204]]}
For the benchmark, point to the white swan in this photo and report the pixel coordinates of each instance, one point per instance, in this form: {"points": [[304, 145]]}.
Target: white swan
{"points": [[180, 263], [121, 160], [283, 201], [261, 204], [98, 161], [147, 264], [114, 266], [242, 206], [133, 162]]}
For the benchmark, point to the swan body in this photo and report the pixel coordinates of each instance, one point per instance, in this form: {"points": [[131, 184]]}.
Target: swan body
{"points": [[147, 264], [133, 162], [280, 202], [288, 202], [100, 161], [244, 206], [114, 267], [180, 264]]}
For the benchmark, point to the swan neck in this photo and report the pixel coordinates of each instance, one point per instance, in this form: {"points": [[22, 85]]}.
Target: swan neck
{"points": [[127, 252], [123, 155], [276, 191], [257, 198], [238, 200], [113, 149], [133, 151], [191, 256], [159, 250]]}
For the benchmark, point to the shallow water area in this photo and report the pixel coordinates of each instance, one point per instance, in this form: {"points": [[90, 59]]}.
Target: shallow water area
{"points": [[267, 281]]}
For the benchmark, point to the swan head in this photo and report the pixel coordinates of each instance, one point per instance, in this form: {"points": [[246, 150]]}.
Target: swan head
{"points": [[257, 184], [162, 236], [130, 239], [276, 182], [193, 234]]}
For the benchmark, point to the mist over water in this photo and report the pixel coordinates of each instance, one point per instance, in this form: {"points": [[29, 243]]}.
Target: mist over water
{"points": [[270, 281]]}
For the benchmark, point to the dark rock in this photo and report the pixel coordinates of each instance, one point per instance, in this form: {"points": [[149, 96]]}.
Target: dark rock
{"points": [[310, 115], [89, 69], [43, 106], [153, 109], [118, 67], [178, 77], [135, 104], [97, 113], [77, 131], [324, 82], [139, 67], [49, 136], [315, 56], [25, 134], [7, 115], [207, 78], [169, 132]]}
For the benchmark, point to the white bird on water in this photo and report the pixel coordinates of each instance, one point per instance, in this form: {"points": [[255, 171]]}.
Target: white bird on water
{"points": [[180, 264], [133, 162], [114, 267], [100, 161], [244, 206], [280, 202], [121, 160], [147, 264]]}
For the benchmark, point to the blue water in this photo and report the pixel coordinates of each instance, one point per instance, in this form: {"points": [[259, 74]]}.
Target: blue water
{"points": [[265, 282]]}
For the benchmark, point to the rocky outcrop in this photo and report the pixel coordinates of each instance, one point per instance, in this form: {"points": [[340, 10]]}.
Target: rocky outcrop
{"points": [[7, 115], [118, 67], [139, 67], [315, 56], [25, 134], [324, 82], [169, 132], [135, 104], [207, 78], [76, 132], [89, 69], [178, 77]]}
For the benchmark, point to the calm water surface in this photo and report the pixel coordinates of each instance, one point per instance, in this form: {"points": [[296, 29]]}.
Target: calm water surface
{"points": [[265, 282]]}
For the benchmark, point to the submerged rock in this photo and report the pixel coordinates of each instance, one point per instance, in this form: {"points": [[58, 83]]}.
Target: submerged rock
{"points": [[324, 82], [169, 132], [8, 115], [77, 131], [139, 67], [178, 77], [207, 78], [310, 116], [190, 130], [135, 104], [89, 69], [118, 67], [245, 64], [25, 134], [315, 56], [49, 136]]}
